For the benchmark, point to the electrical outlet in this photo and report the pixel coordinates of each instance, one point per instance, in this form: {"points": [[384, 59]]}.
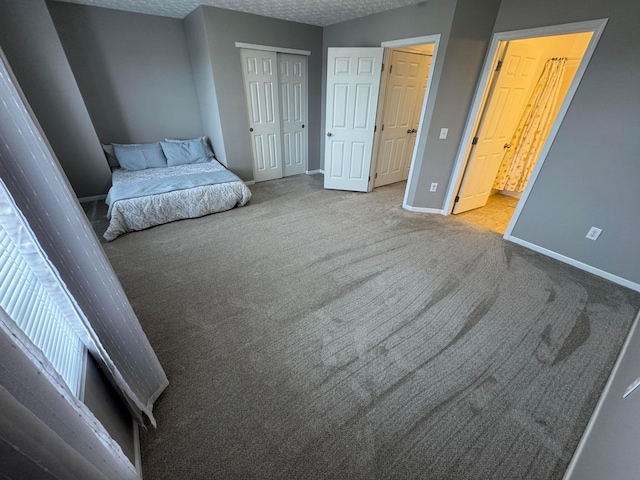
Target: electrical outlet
{"points": [[594, 233], [434, 187], [443, 133]]}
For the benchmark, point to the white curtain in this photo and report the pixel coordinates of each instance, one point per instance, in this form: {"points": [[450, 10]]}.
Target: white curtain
{"points": [[42, 193], [531, 133]]}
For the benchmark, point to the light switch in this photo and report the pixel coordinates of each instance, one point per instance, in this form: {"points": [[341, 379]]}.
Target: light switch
{"points": [[443, 133]]}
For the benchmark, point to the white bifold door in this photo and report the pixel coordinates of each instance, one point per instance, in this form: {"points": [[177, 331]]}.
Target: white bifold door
{"points": [[293, 112], [353, 82], [276, 93]]}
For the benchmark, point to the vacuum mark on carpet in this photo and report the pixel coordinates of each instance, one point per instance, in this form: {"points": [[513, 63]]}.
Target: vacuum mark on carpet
{"points": [[576, 338]]}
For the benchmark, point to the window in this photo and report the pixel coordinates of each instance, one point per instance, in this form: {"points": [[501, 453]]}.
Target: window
{"points": [[26, 298]]}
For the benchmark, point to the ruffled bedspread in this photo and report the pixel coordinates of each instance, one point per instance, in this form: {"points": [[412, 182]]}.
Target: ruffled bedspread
{"points": [[138, 213]]}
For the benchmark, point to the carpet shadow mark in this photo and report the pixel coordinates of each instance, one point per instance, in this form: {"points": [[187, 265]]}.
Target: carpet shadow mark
{"points": [[440, 407], [552, 295], [473, 318], [330, 297], [347, 251], [439, 295], [579, 334]]}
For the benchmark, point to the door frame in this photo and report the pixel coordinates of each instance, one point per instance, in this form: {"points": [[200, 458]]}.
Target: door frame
{"points": [[482, 94], [423, 127], [381, 107]]}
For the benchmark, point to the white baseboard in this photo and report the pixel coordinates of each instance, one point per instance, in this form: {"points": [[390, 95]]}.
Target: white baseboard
{"points": [[437, 211], [313, 172], [575, 263], [92, 199], [250, 182]]}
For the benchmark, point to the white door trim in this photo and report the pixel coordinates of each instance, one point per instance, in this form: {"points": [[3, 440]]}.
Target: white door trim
{"points": [[423, 127], [482, 91], [407, 42], [266, 48]]}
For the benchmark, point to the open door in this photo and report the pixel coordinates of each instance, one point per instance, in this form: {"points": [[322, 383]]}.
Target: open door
{"points": [[509, 94], [403, 97], [353, 83]]}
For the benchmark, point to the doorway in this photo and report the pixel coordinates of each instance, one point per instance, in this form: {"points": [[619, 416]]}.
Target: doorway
{"points": [[531, 81], [354, 113], [527, 84], [400, 105]]}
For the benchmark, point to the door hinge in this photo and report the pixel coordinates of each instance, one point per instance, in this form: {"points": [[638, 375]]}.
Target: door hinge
{"points": [[376, 175], [369, 178], [499, 66], [375, 128], [390, 68], [474, 141], [457, 199], [382, 68]]}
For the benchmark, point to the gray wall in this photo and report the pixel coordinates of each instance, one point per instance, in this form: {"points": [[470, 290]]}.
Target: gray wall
{"points": [[31, 44], [198, 45], [590, 177], [133, 71], [223, 29], [591, 174], [109, 408], [463, 59]]}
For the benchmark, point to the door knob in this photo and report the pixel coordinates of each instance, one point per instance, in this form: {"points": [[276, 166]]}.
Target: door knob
{"points": [[302, 126], [507, 145], [251, 129], [328, 134], [409, 131], [413, 130]]}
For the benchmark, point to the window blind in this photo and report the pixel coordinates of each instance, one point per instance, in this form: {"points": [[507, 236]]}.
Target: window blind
{"points": [[25, 299]]}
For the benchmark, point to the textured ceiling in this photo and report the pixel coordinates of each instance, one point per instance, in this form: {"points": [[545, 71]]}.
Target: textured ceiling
{"points": [[313, 12]]}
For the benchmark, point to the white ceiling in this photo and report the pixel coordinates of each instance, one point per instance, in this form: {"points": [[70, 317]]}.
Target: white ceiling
{"points": [[313, 12]]}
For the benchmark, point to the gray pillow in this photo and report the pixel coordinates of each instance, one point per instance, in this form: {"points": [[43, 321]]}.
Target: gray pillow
{"points": [[204, 140], [140, 156], [183, 152]]}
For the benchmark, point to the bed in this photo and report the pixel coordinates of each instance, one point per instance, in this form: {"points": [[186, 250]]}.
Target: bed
{"points": [[150, 196]]}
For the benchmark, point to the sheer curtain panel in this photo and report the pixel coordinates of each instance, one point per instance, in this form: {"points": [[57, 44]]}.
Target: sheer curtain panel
{"points": [[43, 194]]}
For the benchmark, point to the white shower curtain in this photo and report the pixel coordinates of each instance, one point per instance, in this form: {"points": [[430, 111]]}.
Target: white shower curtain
{"points": [[529, 137]]}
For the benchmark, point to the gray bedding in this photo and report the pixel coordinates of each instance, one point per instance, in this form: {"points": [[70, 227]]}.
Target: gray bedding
{"points": [[144, 198]]}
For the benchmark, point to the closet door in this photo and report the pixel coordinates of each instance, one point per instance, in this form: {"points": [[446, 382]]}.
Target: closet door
{"points": [[293, 112], [260, 75]]}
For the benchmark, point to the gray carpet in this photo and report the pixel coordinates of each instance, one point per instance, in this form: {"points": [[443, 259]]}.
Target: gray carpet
{"points": [[322, 334]]}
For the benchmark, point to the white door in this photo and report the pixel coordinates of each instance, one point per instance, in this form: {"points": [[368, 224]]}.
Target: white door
{"points": [[293, 114], [404, 92], [416, 117], [502, 113], [260, 74], [353, 82]]}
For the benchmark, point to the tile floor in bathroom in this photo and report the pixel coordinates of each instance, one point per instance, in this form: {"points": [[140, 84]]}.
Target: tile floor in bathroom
{"points": [[495, 215]]}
